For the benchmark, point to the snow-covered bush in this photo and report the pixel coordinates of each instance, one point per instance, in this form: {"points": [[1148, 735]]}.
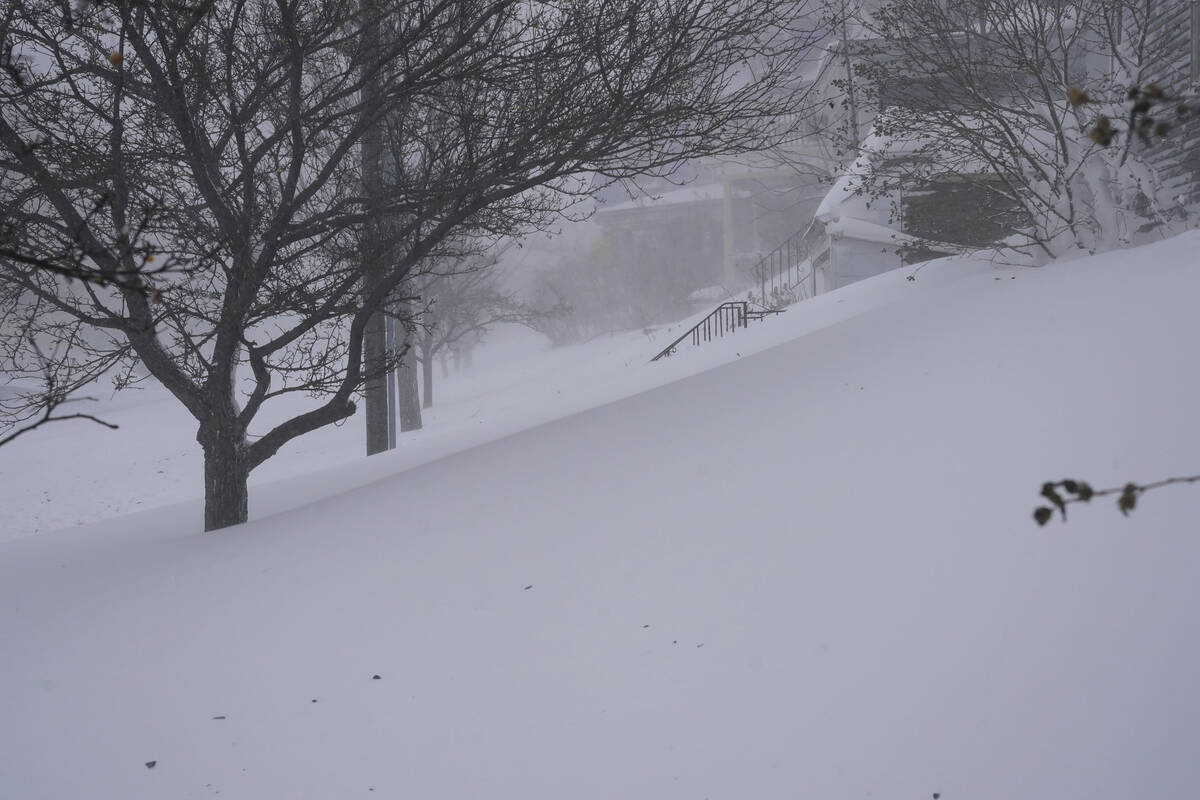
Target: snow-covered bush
{"points": [[983, 92]]}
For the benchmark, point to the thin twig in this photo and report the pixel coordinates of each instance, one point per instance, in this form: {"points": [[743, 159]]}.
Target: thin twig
{"points": [[49, 417], [1063, 493]]}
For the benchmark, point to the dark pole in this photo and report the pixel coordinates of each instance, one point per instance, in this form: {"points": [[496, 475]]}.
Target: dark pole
{"points": [[374, 251]]}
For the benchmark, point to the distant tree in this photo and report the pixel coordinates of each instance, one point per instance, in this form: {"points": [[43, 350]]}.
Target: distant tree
{"points": [[592, 301], [574, 325], [591, 292], [462, 301], [242, 130]]}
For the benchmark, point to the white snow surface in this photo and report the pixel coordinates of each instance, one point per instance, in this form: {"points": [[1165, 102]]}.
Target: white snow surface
{"points": [[795, 563]]}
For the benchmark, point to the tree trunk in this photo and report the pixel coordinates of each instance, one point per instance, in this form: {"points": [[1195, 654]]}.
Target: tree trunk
{"points": [[375, 389], [427, 382], [226, 496], [406, 387]]}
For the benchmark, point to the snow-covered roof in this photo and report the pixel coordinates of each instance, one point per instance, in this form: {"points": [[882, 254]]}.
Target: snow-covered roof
{"points": [[705, 193]]}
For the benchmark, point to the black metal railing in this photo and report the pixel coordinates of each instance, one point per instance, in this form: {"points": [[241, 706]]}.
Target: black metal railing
{"points": [[782, 273], [724, 319], [786, 275]]}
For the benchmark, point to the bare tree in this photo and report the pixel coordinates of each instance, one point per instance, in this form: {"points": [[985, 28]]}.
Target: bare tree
{"points": [[244, 129], [981, 91], [41, 386], [462, 302], [40, 383]]}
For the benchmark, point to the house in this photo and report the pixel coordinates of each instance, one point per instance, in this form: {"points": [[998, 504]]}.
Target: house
{"points": [[684, 244], [677, 242], [928, 199], [903, 199]]}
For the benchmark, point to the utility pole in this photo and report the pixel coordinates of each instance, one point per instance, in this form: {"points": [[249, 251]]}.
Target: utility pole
{"points": [[850, 98], [727, 231], [408, 397], [374, 249]]}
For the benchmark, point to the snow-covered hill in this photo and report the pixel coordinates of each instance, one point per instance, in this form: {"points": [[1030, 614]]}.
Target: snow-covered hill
{"points": [[796, 563]]}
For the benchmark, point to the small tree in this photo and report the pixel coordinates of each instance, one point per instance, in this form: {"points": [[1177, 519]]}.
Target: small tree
{"points": [[461, 304]]}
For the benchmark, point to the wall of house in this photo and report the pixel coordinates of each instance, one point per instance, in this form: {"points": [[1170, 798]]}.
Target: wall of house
{"points": [[661, 254], [782, 207], [966, 210], [666, 247], [855, 259]]}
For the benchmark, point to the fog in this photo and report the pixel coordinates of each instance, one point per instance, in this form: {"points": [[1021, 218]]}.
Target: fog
{"points": [[660, 250], [763, 398]]}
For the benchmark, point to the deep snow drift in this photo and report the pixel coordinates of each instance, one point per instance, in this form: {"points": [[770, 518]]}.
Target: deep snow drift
{"points": [[802, 566]]}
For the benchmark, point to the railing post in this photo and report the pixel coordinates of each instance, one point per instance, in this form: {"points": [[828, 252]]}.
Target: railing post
{"points": [[792, 267]]}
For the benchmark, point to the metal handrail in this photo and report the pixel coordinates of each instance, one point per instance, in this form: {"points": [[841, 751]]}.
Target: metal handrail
{"points": [[779, 270], [725, 317]]}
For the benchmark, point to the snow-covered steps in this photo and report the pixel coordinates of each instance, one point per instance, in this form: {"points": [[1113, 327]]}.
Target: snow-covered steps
{"points": [[724, 319]]}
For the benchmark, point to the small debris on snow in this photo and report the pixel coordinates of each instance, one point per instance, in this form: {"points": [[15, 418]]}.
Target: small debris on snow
{"points": [[150, 764], [530, 586], [222, 716], [376, 677]]}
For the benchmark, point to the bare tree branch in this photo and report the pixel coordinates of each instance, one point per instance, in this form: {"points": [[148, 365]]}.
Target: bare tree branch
{"points": [[236, 133], [1063, 493]]}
